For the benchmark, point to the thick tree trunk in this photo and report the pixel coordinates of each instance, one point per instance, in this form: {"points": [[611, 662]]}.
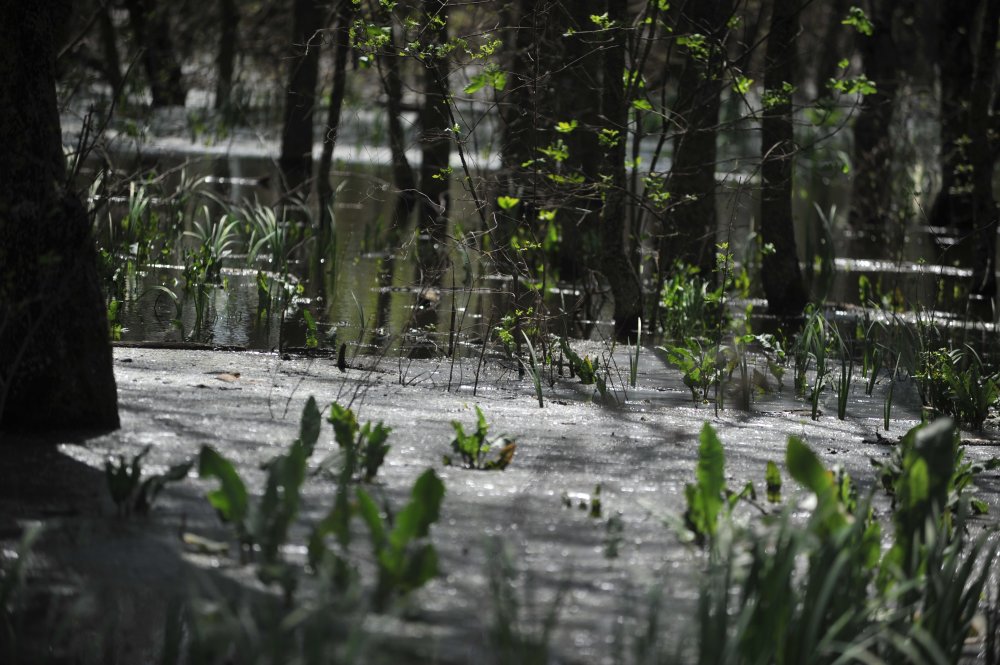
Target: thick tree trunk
{"points": [[55, 357], [967, 64], [956, 62], [781, 274], [341, 48], [833, 44], [229, 20], [402, 177], [872, 196], [984, 283], [435, 150], [151, 28], [689, 235], [614, 263], [300, 100], [109, 47]]}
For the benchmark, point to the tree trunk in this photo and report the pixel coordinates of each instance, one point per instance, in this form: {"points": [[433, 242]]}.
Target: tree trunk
{"points": [[229, 19], [833, 45], [614, 261], [402, 177], [151, 27], [109, 46], [984, 284], [956, 62], [872, 195], [435, 143], [342, 45], [691, 222], [55, 357], [781, 275], [300, 100]]}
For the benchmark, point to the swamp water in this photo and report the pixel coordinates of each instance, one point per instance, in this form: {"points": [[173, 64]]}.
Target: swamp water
{"points": [[639, 447]]}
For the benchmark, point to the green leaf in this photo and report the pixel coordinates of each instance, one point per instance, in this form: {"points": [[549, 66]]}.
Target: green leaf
{"points": [[773, 478], [345, 425], [230, 499], [642, 105], [415, 519], [310, 426], [741, 85], [376, 448], [710, 473], [805, 467], [370, 514], [492, 77], [507, 202], [152, 486], [857, 18]]}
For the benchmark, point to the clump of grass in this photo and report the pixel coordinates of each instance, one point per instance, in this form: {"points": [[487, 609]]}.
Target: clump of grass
{"points": [[473, 449], [955, 383], [828, 592], [363, 447]]}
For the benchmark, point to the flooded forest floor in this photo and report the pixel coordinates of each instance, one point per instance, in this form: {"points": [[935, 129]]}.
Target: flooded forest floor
{"points": [[585, 523]]}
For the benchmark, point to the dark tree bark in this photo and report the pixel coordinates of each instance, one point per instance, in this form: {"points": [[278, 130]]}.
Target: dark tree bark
{"points": [[341, 49], [402, 173], [614, 262], [872, 195], [833, 44], [956, 63], [109, 47], [402, 176], [967, 64], [296, 161], [229, 20], [689, 235], [151, 27], [781, 274], [55, 357], [556, 76], [435, 148], [984, 209]]}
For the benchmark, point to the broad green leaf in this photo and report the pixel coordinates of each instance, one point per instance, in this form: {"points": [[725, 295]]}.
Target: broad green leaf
{"points": [[230, 499], [711, 482], [345, 425], [415, 519], [805, 467], [642, 105], [421, 568], [371, 515], [916, 488], [310, 426], [507, 202], [773, 478]]}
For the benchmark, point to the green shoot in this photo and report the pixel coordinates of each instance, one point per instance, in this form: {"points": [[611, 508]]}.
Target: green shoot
{"points": [[473, 448]]}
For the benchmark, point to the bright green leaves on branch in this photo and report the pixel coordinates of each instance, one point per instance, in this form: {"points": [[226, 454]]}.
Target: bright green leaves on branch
{"points": [[860, 85], [492, 76], [779, 96], [557, 151], [602, 21], [741, 84], [856, 17], [696, 44], [609, 138], [564, 127], [507, 202]]}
